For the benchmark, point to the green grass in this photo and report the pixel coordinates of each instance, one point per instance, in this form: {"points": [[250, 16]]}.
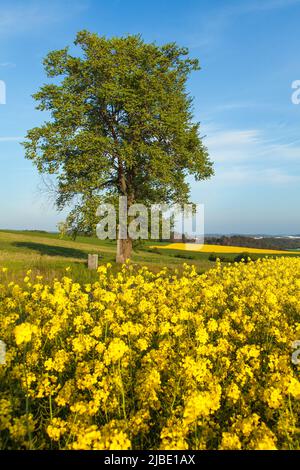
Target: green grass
{"points": [[48, 255]]}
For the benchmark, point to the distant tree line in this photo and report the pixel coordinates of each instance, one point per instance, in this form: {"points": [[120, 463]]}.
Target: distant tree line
{"points": [[272, 243]]}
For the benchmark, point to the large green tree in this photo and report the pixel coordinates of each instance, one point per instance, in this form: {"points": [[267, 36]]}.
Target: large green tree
{"points": [[121, 123]]}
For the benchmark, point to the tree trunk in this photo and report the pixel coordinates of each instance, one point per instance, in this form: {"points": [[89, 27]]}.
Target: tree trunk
{"points": [[124, 250], [124, 247]]}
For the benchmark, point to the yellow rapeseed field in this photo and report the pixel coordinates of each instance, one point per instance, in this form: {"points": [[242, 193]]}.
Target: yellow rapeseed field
{"points": [[153, 361], [222, 249]]}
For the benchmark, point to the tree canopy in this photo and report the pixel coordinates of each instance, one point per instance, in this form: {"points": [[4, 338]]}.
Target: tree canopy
{"points": [[121, 123]]}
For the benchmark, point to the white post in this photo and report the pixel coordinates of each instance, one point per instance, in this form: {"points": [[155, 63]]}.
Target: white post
{"points": [[93, 261]]}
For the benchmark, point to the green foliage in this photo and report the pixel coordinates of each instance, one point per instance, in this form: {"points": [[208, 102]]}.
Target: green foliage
{"points": [[224, 259], [184, 256], [121, 124], [243, 257], [154, 250], [138, 244]]}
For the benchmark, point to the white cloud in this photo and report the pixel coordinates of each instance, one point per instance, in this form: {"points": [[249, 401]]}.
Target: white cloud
{"points": [[234, 105], [231, 145], [242, 156], [7, 64], [233, 138], [278, 176], [282, 151], [236, 145], [11, 139], [247, 175]]}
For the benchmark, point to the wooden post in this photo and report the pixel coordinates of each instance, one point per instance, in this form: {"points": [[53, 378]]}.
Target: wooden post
{"points": [[93, 261]]}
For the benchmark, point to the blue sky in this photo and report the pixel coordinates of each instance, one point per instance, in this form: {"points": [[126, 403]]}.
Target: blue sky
{"points": [[249, 54]]}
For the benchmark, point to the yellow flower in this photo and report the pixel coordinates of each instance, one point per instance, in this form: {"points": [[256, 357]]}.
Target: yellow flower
{"points": [[56, 429], [201, 404], [233, 392], [24, 332], [230, 441], [115, 351], [294, 388], [265, 443], [171, 360], [273, 397]]}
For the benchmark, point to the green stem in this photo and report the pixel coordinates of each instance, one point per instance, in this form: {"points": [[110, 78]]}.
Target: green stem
{"points": [[27, 401], [50, 406]]}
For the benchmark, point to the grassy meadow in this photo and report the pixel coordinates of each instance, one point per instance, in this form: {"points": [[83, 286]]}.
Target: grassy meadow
{"points": [[48, 255]]}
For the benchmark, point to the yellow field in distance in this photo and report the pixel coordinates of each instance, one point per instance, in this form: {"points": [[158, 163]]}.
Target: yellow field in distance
{"points": [[221, 249]]}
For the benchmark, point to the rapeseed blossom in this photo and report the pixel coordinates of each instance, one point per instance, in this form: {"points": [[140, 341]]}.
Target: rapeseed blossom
{"points": [[138, 360]]}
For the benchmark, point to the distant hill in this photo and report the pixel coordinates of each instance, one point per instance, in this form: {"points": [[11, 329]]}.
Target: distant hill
{"points": [[282, 242]]}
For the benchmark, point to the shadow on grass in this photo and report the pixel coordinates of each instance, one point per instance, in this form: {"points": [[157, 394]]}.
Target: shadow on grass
{"points": [[51, 250]]}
